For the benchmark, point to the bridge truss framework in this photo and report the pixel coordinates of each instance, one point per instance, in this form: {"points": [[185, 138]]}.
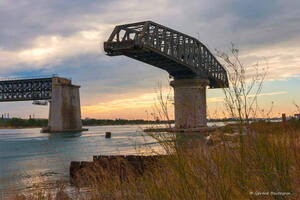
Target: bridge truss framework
{"points": [[182, 56], [26, 89]]}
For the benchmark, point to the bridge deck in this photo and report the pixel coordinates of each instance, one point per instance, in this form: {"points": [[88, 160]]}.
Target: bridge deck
{"points": [[180, 55], [25, 89]]}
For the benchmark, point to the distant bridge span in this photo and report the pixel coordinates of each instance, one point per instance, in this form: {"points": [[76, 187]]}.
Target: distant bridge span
{"points": [[64, 113], [185, 58], [26, 89]]}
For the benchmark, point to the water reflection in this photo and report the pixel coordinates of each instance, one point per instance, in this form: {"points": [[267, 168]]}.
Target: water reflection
{"points": [[64, 135], [29, 157]]}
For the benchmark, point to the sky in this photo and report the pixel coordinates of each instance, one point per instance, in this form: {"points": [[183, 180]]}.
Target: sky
{"points": [[42, 38]]}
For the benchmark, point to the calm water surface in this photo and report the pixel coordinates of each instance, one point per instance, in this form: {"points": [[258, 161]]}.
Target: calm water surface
{"points": [[28, 157]]}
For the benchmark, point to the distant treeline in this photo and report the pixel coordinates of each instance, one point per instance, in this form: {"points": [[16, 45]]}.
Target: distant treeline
{"points": [[18, 122], [94, 122]]}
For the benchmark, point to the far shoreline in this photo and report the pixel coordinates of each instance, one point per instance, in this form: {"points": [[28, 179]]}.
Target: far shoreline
{"points": [[18, 127], [28, 127], [18, 123]]}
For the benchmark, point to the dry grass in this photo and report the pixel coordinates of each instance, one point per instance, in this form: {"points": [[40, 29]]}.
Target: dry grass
{"points": [[264, 165]]}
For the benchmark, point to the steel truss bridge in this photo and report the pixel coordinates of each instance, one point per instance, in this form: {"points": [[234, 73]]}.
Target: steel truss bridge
{"points": [[182, 56], [25, 89]]}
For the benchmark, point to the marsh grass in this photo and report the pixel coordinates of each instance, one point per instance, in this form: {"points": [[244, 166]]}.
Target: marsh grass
{"points": [[268, 169], [270, 163]]}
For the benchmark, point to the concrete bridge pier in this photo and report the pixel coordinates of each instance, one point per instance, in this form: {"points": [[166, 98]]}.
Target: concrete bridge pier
{"points": [[190, 103], [65, 113]]}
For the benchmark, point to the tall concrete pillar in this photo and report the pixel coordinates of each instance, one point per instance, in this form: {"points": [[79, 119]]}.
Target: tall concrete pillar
{"points": [[65, 113], [190, 103]]}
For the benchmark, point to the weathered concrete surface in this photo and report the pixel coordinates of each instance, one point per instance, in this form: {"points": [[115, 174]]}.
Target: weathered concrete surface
{"points": [[89, 173], [190, 103], [65, 113]]}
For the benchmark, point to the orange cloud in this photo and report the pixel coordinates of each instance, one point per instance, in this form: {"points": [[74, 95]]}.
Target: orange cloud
{"points": [[141, 106]]}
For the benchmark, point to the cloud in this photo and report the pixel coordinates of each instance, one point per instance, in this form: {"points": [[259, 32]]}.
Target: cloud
{"points": [[51, 49], [59, 37], [221, 98], [145, 101], [281, 59], [46, 32], [24, 20], [129, 106], [270, 94]]}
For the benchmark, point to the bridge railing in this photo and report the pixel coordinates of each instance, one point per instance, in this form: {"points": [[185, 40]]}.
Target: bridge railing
{"points": [[177, 46]]}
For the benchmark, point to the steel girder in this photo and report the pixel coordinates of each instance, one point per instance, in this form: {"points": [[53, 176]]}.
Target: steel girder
{"points": [[26, 89], [182, 56]]}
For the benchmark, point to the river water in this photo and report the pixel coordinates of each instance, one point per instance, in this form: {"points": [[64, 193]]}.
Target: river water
{"points": [[28, 157]]}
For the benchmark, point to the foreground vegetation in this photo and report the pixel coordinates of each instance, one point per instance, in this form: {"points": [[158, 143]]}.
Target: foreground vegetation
{"points": [[264, 164]]}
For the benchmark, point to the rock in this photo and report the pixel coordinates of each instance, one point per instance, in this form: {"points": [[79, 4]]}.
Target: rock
{"points": [[107, 134], [84, 174]]}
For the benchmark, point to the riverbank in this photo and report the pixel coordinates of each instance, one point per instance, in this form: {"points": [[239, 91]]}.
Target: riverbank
{"points": [[262, 160]]}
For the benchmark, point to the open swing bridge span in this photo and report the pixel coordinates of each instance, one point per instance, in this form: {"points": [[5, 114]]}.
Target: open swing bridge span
{"points": [[182, 56]]}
